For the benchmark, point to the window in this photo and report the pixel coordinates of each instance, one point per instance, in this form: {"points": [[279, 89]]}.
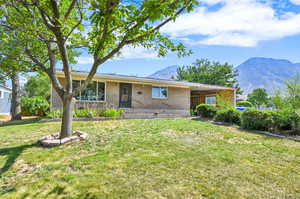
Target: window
{"points": [[159, 92], [1, 94], [95, 91], [76, 84], [211, 100]]}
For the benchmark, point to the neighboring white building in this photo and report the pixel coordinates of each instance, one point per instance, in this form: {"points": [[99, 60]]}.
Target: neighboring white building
{"points": [[5, 100]]}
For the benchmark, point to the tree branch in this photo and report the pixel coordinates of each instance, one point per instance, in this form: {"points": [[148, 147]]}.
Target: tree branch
{"points": [[71, 7]]}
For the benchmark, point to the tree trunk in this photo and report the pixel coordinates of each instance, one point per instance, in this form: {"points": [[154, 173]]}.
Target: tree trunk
{"points": [[66, 126], [16, 98]]}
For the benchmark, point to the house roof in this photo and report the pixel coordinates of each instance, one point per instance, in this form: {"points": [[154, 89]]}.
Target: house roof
{"points": [[147, 80]]}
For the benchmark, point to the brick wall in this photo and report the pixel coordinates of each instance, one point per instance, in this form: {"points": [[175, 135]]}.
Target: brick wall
{"points": [[178, 99]]}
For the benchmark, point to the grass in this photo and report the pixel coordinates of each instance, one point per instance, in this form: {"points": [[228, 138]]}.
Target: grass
{"points": [[166, 158]]}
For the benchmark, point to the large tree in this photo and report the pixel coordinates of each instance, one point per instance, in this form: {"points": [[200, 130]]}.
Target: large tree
{"points": [[102, 27], [12, 63], [38, 85], [207, 72], [259, 97]]}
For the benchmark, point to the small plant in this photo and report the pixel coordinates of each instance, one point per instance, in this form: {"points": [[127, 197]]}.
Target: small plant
{"points": [[113, 112], [87, 113], [229, 116], [245, 104], [206, 110], [34, 106], [55, 114], [193, 112]]}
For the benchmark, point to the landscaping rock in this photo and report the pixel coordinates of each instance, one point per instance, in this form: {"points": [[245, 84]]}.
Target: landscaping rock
{"points": [[54, 139]]}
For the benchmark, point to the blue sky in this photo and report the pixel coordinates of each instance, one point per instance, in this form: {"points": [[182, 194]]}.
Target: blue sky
{"points": [[221, 30]]}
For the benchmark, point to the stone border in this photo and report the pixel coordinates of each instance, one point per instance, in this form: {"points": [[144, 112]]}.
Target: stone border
{"points": [[54, 139]]}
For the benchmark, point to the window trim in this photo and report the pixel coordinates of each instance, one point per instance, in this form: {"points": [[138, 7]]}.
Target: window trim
{"points": [[105, 86], [210, 96], [160, 97]]}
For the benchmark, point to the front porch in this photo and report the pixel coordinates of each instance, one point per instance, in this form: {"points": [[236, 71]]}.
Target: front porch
{"points": [[211, 96]]}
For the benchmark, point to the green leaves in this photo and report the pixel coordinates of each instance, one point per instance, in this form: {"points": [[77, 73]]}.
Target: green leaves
{"points": [[259, 97], [46, 32], [207, 72]]}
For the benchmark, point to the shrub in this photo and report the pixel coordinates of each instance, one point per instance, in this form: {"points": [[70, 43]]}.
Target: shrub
{"points": [[113, 112], [286, 120], [193, 112], [206, 110], [34, 106], [259, 120], [55, 114], [88, 113], [229, 115], [270, 120], [245, 104]]}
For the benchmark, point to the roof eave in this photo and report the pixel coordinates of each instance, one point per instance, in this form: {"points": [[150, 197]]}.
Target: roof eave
{"points": [[149, 81]]}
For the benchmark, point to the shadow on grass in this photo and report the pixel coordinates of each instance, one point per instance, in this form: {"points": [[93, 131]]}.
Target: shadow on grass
{"points": [[21, 122], [13, 153]]}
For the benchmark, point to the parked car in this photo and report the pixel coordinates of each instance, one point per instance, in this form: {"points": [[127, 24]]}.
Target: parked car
{"points": [[241, 108]]}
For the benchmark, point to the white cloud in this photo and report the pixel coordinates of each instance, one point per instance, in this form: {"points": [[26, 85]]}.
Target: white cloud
{"points": [[236, 23], [296, 2], [128, 52], [85, 60]]}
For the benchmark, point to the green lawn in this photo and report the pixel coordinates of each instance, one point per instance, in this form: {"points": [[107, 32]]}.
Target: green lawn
{"points": [[166, 158]]}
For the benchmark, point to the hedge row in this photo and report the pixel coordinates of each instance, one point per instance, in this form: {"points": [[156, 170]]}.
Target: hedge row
{"points": [[270, 120], [253, 119]]}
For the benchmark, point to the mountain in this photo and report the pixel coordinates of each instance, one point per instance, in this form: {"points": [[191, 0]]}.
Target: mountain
{"points": [[268, 73], [166, 73], [257, 72]]}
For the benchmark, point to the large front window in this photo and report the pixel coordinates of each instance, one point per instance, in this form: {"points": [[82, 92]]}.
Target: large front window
{"points": [[159, 92], [95, 91], [211, 100]]}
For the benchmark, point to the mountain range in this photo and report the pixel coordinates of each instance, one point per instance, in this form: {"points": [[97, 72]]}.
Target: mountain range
{"points": [[256, 72]]}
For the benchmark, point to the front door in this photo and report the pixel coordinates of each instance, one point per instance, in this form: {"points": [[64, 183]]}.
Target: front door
{"points": [[125, 95]]}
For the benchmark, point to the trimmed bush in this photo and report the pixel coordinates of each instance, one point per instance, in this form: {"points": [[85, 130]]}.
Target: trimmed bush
{"points": [[206, 110], [245, 104], [232, 116], [259, 120], [273, 121], [34, 106], [286, 120]]}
